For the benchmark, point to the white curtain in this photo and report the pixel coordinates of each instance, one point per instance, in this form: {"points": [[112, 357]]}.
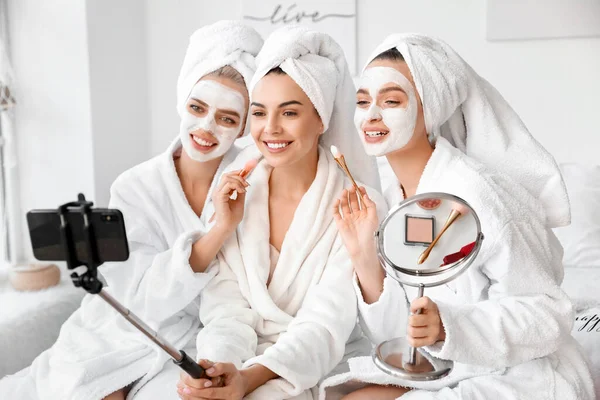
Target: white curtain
{"points": [[9, 211]]}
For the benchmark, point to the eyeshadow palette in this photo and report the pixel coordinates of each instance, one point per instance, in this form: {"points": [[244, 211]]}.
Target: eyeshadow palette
{"points": [[419, 230]]}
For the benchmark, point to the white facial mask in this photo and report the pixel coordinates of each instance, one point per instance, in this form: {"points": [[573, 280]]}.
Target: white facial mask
{"points": [[400, 121], [216, 96]]}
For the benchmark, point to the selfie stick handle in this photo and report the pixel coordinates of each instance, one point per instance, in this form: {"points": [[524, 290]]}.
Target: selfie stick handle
{"points": [[90, 282], [412, 351]]}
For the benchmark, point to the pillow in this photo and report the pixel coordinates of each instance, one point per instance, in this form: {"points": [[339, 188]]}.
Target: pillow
{"points": [[581, 239]]}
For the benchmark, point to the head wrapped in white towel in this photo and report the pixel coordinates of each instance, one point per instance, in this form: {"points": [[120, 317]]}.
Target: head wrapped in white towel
{"points": [[471, 114], [317, 64], [225, 43]]}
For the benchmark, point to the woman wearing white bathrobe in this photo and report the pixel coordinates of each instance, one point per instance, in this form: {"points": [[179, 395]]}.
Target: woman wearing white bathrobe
{"points": [[281, 309], [98, 352], [505, 322]]}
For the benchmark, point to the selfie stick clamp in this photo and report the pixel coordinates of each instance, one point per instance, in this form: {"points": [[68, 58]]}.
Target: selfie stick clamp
{"points": [[89, 281]]}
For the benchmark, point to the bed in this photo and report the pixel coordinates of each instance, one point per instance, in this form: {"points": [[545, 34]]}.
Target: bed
{"points": [[581, 243]]}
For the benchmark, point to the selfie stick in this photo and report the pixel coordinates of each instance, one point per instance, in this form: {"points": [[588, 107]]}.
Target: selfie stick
{"points": [[89, 281]]}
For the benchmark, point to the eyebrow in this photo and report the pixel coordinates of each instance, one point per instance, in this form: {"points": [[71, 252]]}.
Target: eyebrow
{"points": [[391, 89], [199, 101], [231, 112], [362, 91], [284, 104]]}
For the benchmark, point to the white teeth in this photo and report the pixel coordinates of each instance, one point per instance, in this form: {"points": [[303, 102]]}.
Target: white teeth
{"points": [[375, 134], [276, 145], [201, 141]]}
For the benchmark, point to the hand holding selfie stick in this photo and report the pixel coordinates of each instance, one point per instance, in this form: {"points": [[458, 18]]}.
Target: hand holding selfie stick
{"points": [[89, 281]]}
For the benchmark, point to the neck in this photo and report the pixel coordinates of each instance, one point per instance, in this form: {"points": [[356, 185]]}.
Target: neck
{"points": [[294, 180], [408, 164], [193, 174]]}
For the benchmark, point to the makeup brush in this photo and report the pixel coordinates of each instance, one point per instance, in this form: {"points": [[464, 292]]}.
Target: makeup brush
{"points": [[341, 161], [244, 172], [457, 211]]}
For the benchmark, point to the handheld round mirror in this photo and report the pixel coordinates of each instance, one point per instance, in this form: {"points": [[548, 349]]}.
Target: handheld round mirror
{"points": [[425, 241]]}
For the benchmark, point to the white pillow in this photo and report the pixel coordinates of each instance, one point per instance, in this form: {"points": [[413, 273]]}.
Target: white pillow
{"points": [[581, 239]]}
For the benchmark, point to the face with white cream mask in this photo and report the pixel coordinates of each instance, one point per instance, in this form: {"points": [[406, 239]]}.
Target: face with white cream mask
{"points": [[386, 110], [214, 117]]}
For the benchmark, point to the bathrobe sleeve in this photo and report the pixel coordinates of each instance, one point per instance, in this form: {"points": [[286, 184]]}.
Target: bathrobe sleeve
{"points": [[315, 340], [526, 315], [229, 333], [155, 282], [386, 318]]}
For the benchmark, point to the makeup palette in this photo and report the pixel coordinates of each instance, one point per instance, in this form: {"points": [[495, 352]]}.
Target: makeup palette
{"points": [[419, 230]]}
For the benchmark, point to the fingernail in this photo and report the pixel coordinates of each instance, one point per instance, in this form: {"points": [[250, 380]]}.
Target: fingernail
{"points": [[210, 371], [187, 390], [208, 384]]}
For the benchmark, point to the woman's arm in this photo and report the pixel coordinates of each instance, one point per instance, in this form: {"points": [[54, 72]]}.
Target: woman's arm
{"points": [[155, 282], [527, 314]]}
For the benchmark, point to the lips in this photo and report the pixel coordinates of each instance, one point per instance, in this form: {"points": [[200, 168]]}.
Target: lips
{"points": [[276, 146], [203, 143], [374, 136]]}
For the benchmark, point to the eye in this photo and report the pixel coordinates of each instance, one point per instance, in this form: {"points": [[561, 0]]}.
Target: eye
{"points": [[290, 113], [362, 103], [258, 113], [392, 102], [228, 120]]}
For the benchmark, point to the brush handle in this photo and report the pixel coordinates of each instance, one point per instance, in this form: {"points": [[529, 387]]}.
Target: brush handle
{"points": [[451, 218], [341, 161]]}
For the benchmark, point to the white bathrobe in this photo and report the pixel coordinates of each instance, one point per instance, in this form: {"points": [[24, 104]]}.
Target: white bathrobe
{"points": [[299, 324], [98, 351], [506, 319]]}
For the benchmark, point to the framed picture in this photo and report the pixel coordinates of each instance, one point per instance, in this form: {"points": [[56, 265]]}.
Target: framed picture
{"points": [[336, 18]]}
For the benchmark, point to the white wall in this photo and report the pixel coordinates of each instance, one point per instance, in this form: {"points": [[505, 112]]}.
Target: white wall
{"points": [[553, 84], [48, 43], [83, 113], [118, 88]]}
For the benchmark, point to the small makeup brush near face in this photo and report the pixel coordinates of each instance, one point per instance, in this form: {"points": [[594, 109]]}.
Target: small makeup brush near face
{"points": [[341, 161], [244, 172], [458, 210]]}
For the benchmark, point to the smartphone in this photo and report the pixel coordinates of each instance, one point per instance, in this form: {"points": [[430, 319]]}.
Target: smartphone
{"points": [[108, 227]]}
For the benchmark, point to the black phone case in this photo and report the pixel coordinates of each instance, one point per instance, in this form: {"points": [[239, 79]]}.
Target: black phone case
{"points": [[108, 227]]}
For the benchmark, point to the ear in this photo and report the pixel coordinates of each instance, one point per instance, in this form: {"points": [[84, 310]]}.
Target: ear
{"points": [[321, 128]]}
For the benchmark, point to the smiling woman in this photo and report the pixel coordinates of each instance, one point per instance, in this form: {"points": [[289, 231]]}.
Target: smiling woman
{"points": [[284, 122]]}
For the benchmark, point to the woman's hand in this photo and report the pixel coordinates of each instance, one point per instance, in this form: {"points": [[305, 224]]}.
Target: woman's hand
{"points": [[229, 212], [426, 328], [234, 384], [357, 224]]}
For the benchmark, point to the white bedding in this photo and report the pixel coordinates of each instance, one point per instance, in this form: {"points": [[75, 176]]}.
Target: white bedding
{"points": [[582, 284]]}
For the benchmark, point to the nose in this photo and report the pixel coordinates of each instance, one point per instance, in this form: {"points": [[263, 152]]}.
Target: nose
{"points": [[272, 126], [374, 113]]}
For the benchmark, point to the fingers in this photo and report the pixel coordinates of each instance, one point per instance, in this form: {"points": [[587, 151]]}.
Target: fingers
{"points": [[336, 211], [221, 369], [186, 380], [369, 204], [229, 185], [344, 204], [424, 303], [353, 200]]}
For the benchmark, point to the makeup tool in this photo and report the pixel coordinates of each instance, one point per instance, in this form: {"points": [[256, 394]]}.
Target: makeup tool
{"points": [[341, 161]]}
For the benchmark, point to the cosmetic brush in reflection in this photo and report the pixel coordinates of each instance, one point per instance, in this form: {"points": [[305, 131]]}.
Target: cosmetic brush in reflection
{"points": [[457, 211], [244, 172], [341, 161]]}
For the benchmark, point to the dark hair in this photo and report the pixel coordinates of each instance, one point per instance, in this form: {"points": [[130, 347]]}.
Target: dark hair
{"points": [[390, 55], [277, 71]]}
